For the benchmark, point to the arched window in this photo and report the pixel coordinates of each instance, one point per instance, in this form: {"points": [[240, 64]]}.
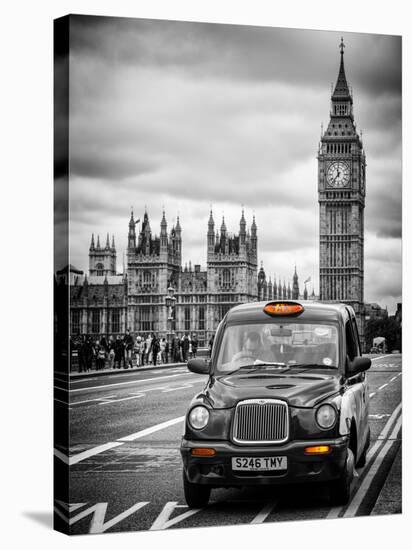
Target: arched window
{"points": [[99, 269], [226, 279]]}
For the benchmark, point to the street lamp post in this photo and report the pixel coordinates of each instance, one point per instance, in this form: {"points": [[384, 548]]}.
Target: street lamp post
{"points": [[170, 307]]}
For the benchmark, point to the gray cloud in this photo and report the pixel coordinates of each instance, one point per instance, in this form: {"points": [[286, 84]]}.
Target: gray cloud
{"points": [[183, 115]]}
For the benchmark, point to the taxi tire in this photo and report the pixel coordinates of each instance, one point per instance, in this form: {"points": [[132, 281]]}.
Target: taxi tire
{"points": [[340, 490], [362, 459], [196, 495]]}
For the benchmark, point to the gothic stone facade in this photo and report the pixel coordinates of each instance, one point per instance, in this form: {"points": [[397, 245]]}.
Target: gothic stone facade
{"points": [[202, 296], [341, 193]]}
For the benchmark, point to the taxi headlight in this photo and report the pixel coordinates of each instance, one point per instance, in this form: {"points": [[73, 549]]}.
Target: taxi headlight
{"points": [[326, 416], [198, 417]]}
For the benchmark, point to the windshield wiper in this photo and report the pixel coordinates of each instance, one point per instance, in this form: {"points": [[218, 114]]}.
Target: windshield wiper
{"points": [[260, 363], [309, 366]]}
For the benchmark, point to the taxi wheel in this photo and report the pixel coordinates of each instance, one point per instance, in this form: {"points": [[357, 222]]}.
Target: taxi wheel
{"points": [[196, 495], [340, 489], [362, 459]]}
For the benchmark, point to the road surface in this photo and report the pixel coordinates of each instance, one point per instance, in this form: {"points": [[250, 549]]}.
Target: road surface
{"points": [[126, 467]]}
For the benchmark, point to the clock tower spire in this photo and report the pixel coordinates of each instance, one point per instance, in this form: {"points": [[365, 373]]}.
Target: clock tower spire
{"points": [[341, 195]]}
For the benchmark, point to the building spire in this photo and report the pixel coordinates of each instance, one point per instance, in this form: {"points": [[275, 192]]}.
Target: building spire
{"points": [[113, 245], [92, 242], [107, 241], [98, 241], [341, 89], [223, 226]]}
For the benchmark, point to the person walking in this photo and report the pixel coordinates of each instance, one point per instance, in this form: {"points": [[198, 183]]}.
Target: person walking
{"points": [[185, 347], [100, 355], [111, 352], [155, 348], [163, 350], [128, 349], [136, 348], [105, 345], [175, 350], [148, 351], [195, 345], [81, 351], [88, 354], [118, 353]]}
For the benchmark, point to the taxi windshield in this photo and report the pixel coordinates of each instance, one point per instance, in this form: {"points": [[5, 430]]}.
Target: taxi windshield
{"points": [[278, 345]]}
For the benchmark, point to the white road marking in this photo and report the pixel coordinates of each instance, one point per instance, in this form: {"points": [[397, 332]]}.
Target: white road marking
{"points": [[381, 387], [382, 357], [71, 507], [98, 526], [372, 394], [368, 479], [111, 401], [335, 511], [163, 521], [59, 400], [103, 386], [264, 513], [91, 400], [74, 459], [64, 458], [148, 431]]}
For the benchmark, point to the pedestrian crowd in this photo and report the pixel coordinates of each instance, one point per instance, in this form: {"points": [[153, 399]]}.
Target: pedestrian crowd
{"points": [[116, 352]]}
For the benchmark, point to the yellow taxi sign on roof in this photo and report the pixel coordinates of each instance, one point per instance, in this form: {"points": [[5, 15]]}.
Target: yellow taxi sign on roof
{"points": [[283, 308]]}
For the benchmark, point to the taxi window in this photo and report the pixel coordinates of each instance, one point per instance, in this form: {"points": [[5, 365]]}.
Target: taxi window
{"points": [[278, 343], [351, 347]]}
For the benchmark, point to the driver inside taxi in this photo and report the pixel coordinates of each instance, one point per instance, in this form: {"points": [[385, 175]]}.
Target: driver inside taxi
{"points": [[250, 352]]}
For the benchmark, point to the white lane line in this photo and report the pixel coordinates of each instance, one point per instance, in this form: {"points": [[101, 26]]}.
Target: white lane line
{"points": [[163, 522], [381, 387], [74, 459], [382, 357], [335, 511], [111, 402], [372, 394], [102, 387], [148, 431], [59, 400], [392, 379], [264, 513], [91, 400], [368, 479]]}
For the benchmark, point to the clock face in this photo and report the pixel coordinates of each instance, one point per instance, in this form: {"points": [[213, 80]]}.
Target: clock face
{"points": [[338, 174]]}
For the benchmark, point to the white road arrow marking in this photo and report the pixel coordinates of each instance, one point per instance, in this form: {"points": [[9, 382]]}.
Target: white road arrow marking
{"points": [[163, 521], [98, 526]]}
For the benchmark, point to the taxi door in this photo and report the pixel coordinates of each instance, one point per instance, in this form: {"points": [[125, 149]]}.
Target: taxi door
{"points": [[358, 384]]}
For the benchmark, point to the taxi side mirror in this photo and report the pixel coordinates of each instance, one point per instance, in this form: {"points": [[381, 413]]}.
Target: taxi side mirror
{"points": [[358, 365], [198, 366]]}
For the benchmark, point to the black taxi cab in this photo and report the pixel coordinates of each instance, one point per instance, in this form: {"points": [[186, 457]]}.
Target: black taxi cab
{"points": [[286, 401]]}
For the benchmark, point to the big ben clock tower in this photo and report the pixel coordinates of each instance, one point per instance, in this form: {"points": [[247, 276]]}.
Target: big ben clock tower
{"points": [[341, 193]]}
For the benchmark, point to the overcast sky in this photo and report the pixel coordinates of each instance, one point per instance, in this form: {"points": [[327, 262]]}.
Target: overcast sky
{"points": [[188, 115]]}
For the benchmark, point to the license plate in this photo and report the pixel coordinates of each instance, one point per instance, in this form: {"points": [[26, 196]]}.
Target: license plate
{"points": [[259, 463]]}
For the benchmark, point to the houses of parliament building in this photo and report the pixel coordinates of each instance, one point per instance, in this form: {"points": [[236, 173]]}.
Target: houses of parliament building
{"points": [[104, 302]]}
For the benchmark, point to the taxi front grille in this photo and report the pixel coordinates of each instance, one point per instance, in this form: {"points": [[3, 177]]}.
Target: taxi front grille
{"points": [[260, 421]]}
